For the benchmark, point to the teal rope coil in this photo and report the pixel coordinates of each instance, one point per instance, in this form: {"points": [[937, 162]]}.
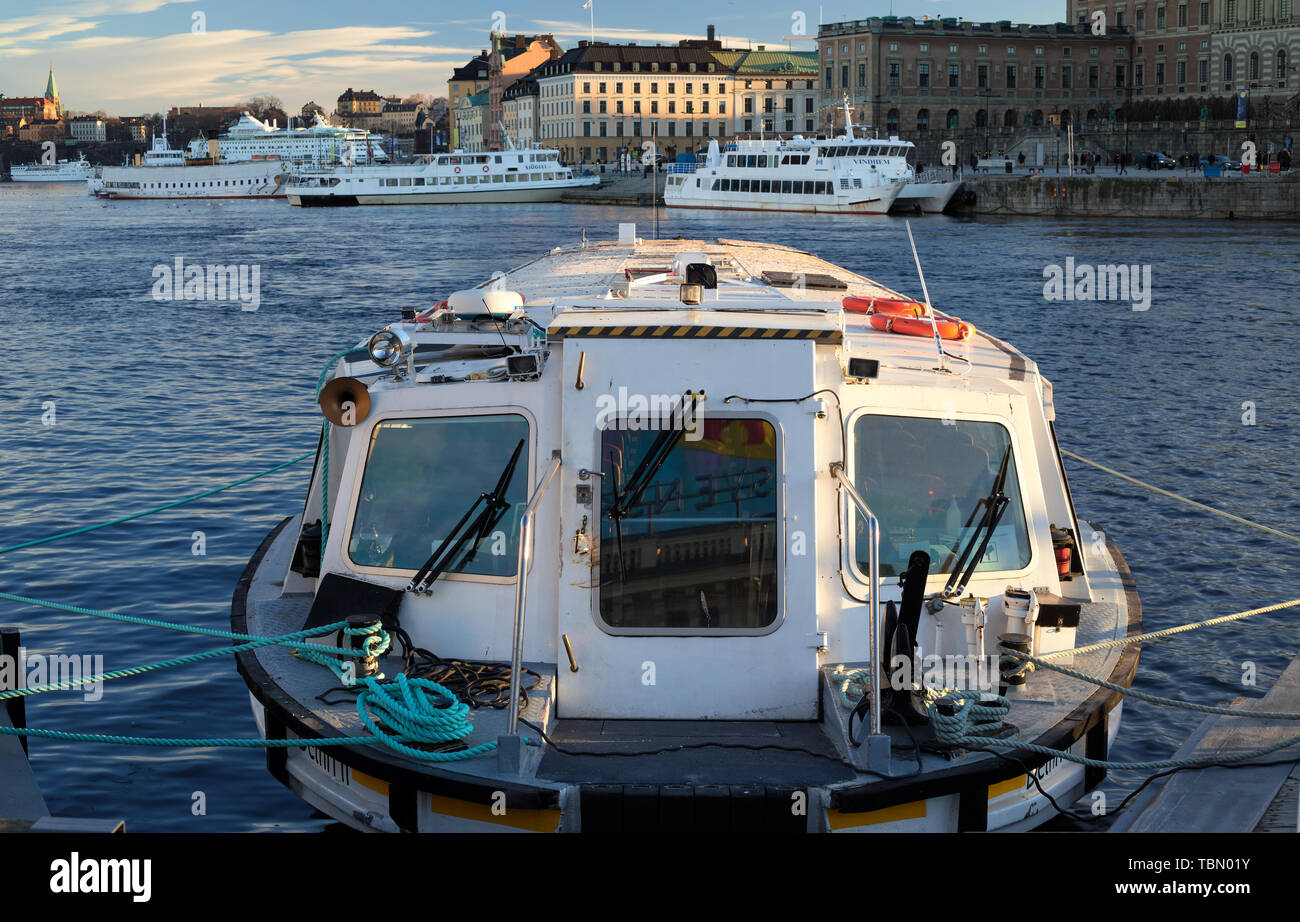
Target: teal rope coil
{"points": [[165, 506]]}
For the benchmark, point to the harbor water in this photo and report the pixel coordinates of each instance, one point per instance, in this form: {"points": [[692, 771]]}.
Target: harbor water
{"points": [[115, 399]]}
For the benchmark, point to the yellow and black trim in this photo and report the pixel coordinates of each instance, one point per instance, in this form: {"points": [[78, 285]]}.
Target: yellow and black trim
{"points": [[679, 331]]}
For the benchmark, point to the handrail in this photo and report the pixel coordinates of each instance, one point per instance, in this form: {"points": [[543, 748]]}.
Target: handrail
{"points": [[521, 590], [873, 606]]}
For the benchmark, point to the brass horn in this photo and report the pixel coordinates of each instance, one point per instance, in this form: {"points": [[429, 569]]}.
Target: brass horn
{"points": [[345, 401]]}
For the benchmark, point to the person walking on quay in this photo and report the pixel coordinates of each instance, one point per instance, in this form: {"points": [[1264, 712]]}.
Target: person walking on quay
{"points": [[1123, 164], [974, 163]]}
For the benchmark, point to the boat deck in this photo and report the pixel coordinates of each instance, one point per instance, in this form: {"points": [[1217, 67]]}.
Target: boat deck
{"points": [[1052, 709]]}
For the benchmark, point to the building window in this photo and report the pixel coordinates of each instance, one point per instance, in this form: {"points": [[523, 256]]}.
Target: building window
{"points": [[923, 120], [1011, 49], [830, 84], [1141, 18], [894, 73], [1093, 77], [1160, 17], [1230, 11], [1067, 77], [1181, 70], [982, 76], [1281, 68], [1038, 50], [954, 75], [1139, 74], [891, 120], [1040, 77], [952, 49], [1203, 71], [1119, 19], [923, 75], [1205, 14], [844, 76], [1160, 76], [1254, 65], [893, 46], [1182, 14], [1011, 76], [862, 75]]}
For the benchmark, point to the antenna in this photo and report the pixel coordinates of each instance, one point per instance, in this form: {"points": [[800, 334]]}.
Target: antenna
{"points": [[934, 327]]}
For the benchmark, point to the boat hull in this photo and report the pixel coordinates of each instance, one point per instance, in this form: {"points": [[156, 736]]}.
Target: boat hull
{"points": [[366, 790], [873, 201], [324, 198], [927, 197]]}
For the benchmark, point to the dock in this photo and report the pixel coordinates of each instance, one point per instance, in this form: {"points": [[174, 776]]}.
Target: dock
{"points": [[632, 189], [22, 805], [1254, 799]]}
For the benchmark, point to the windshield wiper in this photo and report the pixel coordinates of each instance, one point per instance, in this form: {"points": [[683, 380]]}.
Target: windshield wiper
{"points": [[627, 496], [994, 505], [479, 529]]}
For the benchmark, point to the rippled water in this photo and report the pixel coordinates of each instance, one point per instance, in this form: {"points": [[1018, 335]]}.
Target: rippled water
{"points": [[157, 400]]}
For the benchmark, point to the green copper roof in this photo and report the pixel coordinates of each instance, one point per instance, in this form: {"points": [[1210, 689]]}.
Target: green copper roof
{"points": [[51, 88], [769, 62]]}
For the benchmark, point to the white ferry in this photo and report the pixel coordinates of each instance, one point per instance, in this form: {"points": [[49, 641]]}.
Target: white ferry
{"points": [[316, 145], [843, 175], [193, 173], [513, 175], [657, 534], [64, 171]]}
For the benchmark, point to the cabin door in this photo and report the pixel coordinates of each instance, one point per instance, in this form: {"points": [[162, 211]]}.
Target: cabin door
{"points": [[678, 595]]}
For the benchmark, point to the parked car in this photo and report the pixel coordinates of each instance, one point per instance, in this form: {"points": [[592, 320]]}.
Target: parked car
{"points": [[1224, 162], [1155, 160]]}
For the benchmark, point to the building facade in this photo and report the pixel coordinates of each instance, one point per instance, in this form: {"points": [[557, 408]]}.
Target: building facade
{"points": [[87, 128], [775, 92], [1207, 47], [599, 100], [520, 111], [358, 102], [471, 122], [512, 58], [465, 81], [917, 77]]}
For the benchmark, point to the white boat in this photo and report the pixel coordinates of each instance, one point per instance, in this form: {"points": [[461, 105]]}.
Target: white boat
{"points": [[683, 523], [193, 173], [513, 175], [928, 192], [842, 175], [63, 171], [318, 144]]}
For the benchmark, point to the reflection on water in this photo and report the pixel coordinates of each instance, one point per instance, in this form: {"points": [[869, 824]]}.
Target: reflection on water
{"points": [[156, 400]]}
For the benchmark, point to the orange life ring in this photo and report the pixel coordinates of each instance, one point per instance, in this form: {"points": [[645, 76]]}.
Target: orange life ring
{"points": [[891, 306], [917, 326], [456, 168]]}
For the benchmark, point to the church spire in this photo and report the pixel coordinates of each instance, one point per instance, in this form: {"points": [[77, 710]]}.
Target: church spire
{"points": [[52, 91]]}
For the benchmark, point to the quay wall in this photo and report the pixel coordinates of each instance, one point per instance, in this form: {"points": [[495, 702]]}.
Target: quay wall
{"points": [[1096, 196]]}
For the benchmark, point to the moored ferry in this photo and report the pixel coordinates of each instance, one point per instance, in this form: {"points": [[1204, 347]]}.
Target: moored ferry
{"points": [[193, 173], [512, 175], [661, 534], [841, 175], [63, 171]]}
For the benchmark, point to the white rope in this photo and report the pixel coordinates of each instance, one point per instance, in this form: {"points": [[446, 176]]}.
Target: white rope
{"points": [[1182, 499]]}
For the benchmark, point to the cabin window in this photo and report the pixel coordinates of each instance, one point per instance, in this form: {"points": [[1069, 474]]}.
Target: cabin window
{"points": [[689, 525], [925, 479], [417, 486]]}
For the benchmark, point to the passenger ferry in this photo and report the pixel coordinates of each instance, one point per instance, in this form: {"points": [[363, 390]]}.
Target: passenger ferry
{"points": [[513, 175], [64, 171], [843, 175], [656, 534], [193, 173], [318, 144]]}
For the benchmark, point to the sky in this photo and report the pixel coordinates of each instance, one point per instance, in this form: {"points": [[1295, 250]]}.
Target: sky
{"points": [[128, 57]]}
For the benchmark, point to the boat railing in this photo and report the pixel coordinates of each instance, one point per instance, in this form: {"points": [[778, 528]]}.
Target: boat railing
{"points": [[521, 590], [683, 167], [877, 743]]}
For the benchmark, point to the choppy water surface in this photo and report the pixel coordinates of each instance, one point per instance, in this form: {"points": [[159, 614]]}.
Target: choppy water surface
{"points": [[155, 401]]}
